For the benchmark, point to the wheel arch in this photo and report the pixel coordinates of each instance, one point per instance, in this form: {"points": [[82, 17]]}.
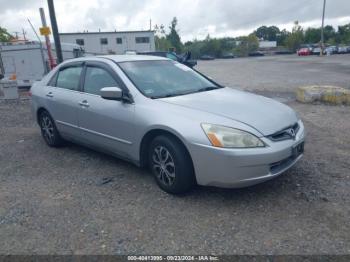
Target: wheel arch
{"points": [[39, 111], [153, 133]]}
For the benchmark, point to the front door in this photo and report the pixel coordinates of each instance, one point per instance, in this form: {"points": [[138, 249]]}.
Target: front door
{"points": [[108, 124]]}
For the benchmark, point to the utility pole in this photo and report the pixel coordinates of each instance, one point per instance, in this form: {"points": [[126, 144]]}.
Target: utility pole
{"points": [[2, 69], [24, 34], [16, 33], [56, 36], [322, 34], [47, 39]]}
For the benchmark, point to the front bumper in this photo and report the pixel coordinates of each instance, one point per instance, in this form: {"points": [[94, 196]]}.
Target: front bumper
{"points": [[235, 168]]}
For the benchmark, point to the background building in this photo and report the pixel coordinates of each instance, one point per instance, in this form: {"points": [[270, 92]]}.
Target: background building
{"points": [[267, 44], [111, 42]]}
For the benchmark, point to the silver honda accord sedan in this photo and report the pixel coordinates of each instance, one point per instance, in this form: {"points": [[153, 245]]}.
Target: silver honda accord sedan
{"points": [[157, 113]]}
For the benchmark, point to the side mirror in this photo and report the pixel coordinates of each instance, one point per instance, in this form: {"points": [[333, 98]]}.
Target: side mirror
{"points": [[111, 93]]}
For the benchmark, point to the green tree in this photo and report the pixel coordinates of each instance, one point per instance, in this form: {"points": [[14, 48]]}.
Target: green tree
{"points": [[247, 44], [211, 46], [161, 42], [4, 35], [282, 36], [312, 35], [194, 47], [296, 38], [173, 36], [329, 33], [227, 44], [268, 33], [343, 35], [261, 32]]}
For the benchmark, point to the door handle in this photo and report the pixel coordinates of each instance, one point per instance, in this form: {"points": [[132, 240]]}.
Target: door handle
{"points": [[84, 103], [49, 94]]}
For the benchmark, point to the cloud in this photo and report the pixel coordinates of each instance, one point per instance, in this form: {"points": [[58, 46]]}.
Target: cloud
{"points": [[196, 18]]}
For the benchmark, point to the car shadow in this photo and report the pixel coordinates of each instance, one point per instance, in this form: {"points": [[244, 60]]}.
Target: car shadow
{"points": [[288, 184]]}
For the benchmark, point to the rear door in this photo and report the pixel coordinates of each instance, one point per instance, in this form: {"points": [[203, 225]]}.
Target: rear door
{"points": [[108, 124], [63, 98]]}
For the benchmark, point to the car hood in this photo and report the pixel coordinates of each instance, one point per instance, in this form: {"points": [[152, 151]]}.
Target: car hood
{"points": [[263, 114]]}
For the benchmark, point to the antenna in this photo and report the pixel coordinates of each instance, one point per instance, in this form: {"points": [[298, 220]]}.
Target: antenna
{"points": [[41, 46], [34, 30]]}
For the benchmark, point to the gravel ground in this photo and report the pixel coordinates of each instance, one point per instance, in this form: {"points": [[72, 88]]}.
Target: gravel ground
{"points": [[279, 73], [73, 200]]}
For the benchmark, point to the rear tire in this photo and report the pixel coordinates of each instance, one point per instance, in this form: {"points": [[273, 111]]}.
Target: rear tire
{"points": [[171, 165], [49, 130]]}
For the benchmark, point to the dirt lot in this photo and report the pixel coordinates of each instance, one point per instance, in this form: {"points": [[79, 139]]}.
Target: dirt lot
{"points": [[279, 73], [76, 201]]}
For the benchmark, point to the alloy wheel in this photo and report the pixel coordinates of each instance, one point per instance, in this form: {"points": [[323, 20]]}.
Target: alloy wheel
{"points": [[163, 165], [47, 129]]}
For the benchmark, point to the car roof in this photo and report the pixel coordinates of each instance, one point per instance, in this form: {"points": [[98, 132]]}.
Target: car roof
{"points": [[119, 58]]}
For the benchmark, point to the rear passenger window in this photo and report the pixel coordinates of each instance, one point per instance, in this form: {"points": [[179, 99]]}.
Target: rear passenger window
{"points": [[69, 77], [97, 78]]}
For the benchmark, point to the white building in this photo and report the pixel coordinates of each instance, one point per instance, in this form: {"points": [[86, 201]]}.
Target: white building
{"points": [[112, 42], [267, 44]]}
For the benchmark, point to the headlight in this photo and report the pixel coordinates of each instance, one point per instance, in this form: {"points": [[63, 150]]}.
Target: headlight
{"points": [[221, 136]]}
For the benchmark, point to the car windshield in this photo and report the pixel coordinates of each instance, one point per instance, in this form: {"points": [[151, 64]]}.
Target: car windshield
{"points": [[157, 79]]}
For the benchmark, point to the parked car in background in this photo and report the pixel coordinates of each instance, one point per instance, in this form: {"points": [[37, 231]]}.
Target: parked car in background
{"points": [[317, 51], [228, 56], [343, 49], [130, 52], [183, 59], [309, 46], [161, 114], [206, 57], [304, 51], [331, 50], [256, 53]]}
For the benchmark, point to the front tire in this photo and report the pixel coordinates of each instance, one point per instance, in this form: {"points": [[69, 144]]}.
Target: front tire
{"points": [[171, 165], [49, 131]]}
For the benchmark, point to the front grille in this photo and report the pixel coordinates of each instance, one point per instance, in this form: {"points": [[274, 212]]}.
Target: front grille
{"points": [[285, 134]]}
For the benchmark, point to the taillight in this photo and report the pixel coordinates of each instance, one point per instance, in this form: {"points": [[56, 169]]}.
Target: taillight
{"points": [[29, 93]]}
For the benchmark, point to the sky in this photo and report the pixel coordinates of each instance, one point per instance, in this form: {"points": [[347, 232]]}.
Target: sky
{"points": [[197, 18]]}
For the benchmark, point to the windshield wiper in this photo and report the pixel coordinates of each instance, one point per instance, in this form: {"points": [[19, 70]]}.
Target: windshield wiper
{"points": [[172, 95], [208, 88], [203, 89], [156, 97]]}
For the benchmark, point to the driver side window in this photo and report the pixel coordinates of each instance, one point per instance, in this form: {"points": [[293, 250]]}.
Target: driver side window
{"points": [[97, 78]]}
